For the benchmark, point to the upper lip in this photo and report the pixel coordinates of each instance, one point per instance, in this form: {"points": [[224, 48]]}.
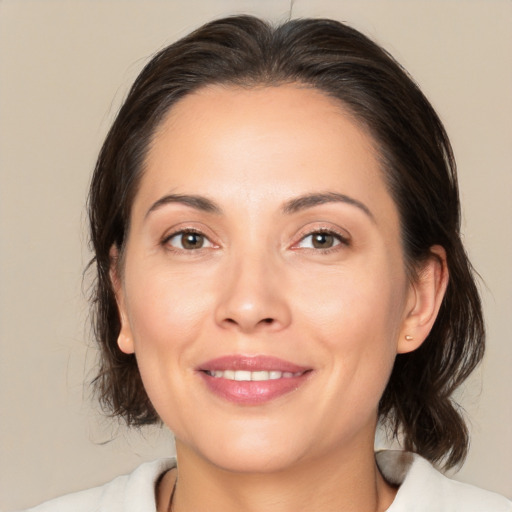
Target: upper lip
{"points": [[251, 363]]}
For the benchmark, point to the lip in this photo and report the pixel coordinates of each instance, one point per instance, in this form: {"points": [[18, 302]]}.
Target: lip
{"points": [[252, 392], [251, 363]]}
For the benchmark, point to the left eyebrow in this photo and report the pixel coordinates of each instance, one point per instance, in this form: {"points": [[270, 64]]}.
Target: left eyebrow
{"points": [[315, 199]]}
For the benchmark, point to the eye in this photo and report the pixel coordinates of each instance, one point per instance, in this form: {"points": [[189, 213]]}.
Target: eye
{"points": [[321, 240], [188, 240]]}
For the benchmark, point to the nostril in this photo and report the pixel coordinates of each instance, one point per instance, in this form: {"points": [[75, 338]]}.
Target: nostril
{"points": [[263, 321]]}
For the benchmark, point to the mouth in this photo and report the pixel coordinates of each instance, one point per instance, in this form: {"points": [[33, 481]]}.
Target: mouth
{"points": [[252, 380], [247, 376]]}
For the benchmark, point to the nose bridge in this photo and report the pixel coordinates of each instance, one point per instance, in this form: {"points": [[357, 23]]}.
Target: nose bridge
{"points": [[253, 292]]}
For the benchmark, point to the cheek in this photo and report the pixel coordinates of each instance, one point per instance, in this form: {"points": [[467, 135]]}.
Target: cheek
{"points": [[356, 317], [167, 313], [363, 303], [165, 308]]}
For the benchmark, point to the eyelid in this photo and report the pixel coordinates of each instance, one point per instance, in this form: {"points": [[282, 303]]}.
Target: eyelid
{"points": [[181, 234], [179, 231], [185, 228], [341, 235]]}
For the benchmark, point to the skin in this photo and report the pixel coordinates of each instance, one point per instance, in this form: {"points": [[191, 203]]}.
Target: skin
{"points": [[259, 286]]}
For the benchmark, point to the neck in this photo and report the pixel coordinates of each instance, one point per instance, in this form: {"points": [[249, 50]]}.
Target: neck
{"points": [[336, 482]]}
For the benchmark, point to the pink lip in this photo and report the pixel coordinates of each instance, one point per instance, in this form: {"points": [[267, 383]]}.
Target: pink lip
{"points": [[252, 392], [251, 363]]}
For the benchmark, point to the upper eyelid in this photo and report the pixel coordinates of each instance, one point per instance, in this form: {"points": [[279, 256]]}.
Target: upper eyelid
{"points": [[180, 231], [342, 240], [165, 241], [342, 234], [326, 230], [306, 231], [186, 228]]}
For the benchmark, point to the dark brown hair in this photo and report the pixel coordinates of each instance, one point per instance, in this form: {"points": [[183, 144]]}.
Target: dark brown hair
{"points": [[418, 164]]}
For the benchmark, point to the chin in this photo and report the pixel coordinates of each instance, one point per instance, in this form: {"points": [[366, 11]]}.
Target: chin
{"points": [[269, 460], [248, 453]]}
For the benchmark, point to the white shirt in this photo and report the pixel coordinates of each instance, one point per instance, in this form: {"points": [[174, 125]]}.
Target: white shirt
{"points": [[422, 489]]}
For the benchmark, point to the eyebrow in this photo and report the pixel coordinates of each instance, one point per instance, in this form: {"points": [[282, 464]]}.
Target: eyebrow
{"points": [[292, 206], [198, 202], [315, 199]]}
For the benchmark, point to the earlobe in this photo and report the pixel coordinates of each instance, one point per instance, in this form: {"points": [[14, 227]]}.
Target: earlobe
{"points": [[425, 299], [124, 340]]}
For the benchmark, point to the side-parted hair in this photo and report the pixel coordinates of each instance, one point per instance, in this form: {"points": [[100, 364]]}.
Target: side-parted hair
{"points": [[416, 159]]}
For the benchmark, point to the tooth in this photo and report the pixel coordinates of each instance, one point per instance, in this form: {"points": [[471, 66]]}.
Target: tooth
{"points": [[241, 375], [245, 375], [263, 375]]}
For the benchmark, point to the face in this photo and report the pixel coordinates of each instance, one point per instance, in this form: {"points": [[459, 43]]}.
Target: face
{"points": [[263, 287]]}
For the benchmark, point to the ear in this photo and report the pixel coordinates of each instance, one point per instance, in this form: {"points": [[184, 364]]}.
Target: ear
{"points": [[425, 297], [125, 339]]}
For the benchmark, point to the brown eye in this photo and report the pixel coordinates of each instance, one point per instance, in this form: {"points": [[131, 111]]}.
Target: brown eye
{"points": [[192, 241], [321, 240], [189, 240]]}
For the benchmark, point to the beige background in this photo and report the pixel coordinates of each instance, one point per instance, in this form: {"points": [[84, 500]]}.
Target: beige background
{"points": [[65, 67]]}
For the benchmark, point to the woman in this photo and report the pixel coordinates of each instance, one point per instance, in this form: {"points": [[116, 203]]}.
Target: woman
{"points": [[275, 222]]}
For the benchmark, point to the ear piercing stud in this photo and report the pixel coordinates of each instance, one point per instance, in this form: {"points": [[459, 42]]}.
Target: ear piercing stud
{"points": [[408, 337]]}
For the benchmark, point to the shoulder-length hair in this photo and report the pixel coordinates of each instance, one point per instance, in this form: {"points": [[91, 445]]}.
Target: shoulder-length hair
{"points": [[416, 159]]}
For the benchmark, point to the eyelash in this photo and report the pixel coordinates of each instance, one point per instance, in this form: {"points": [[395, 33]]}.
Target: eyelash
{"points": [[166, 240], [341, 239]]}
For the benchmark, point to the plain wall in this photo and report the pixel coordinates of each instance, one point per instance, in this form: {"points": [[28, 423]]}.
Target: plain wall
{"points": [[65, 67]]}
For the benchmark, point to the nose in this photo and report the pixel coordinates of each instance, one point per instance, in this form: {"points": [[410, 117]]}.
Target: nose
{"points": [[252, 297]]}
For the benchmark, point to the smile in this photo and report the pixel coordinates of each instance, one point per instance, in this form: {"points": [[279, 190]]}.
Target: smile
{"points": [[252, 379], [245, 376]]}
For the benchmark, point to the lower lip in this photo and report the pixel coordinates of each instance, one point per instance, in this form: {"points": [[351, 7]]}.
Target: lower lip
{"points": [[253, 392]]}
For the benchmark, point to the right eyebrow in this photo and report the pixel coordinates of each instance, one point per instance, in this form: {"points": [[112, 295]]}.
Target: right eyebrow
{"points": [[194, 201]]}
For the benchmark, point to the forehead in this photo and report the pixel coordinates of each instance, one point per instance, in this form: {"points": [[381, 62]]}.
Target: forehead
{"points": [[251, 144], [224, 118]]}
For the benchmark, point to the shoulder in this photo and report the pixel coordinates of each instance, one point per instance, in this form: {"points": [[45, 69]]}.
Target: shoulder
{"points": [[127, 493], [423, 488]]}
